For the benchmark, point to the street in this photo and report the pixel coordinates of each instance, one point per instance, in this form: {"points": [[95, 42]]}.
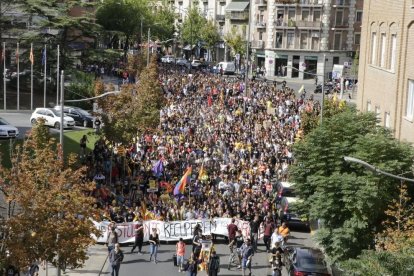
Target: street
{"points": [[135, 264]]}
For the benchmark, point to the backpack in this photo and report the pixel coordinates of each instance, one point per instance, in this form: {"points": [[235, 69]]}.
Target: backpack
{"points": [[215, 263]]}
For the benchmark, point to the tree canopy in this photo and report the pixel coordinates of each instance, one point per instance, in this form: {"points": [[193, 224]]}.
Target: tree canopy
{"points": [[48, 203], [193, 26], [236, 42], [349, 200]]}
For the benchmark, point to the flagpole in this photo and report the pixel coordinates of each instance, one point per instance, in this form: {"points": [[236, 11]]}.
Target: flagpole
{"points": [[44, 77], [4, 75], [57, 76], [31, 76], [18, 76]]}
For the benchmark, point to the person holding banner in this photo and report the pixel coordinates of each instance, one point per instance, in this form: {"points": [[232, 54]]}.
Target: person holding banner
{"points": [[154, 241], [139, 237]]}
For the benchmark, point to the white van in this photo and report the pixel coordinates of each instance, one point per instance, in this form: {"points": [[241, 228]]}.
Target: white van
{"points": [[228, 68]]}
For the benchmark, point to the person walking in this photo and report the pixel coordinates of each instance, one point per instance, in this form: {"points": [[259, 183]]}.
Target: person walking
{"points": [[112, 239], [154, 241], [180, 251], [115, 258], [139, 238], [247, 254], [192, 265], [213, 264], [82, 144], [254, 231]]}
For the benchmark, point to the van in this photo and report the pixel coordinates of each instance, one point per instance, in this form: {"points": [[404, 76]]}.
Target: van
{"points": [[228, 68]]}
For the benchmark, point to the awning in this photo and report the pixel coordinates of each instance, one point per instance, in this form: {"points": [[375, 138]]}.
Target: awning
{"points": [[237, 6]]}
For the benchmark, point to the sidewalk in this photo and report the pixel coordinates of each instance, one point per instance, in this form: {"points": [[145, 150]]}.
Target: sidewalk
{"points": [[97, 264]]}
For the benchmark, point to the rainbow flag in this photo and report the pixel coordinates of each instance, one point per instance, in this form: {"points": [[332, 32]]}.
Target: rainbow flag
{"points": [[180, 186]]}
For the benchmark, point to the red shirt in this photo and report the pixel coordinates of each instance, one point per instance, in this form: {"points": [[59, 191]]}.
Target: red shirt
{"points": [[232, 228]]}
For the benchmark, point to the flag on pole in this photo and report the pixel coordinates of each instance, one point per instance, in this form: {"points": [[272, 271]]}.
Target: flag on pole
{"points": [[44, 56], [202, 174], [301, 89], [158, 168], [180, 186], [31, 57], [17, 54]]}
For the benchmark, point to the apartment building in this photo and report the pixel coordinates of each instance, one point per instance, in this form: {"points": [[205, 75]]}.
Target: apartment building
{"points": [[290, 37], [386, 72]]}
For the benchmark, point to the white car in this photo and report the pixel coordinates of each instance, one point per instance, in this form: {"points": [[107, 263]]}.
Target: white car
{"points": [[52, 118], [7, 130], [196, 63], [168, 59]]}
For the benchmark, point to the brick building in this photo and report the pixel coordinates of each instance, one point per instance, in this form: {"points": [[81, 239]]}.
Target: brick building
{"points": [[386, 72]]}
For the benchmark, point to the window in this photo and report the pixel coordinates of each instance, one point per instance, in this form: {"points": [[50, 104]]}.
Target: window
{"points": [[290, 40], [291, 14], [304, 40], [357, 38], [279, 40], [369, 106], [317, 15], [387, 120], [305, 15], [374, 48], [337, 41], [378, 114], [359, 16], [335, 60], [393, 51], [409, 113], [383, 50], [315, 41], [260, 35], [339, 17]]}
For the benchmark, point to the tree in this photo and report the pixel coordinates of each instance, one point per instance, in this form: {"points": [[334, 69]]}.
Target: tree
{"points": [[398, 228], [192, 27], [48, 206], [349, 200], [163, 24], [371, 262], [136, 63], [236, 42], [210, 35], [81, 85]]}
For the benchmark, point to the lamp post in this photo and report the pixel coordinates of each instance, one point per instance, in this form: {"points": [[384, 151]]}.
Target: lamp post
{"points": [[375, 169], [246, 80], [149, 38]]}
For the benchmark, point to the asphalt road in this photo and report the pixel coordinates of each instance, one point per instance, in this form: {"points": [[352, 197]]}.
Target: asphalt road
{"points": [[21, 120], [139, 265]]}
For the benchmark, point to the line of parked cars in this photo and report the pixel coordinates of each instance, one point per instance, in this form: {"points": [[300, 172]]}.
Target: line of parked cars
{"points": [[228, 68], [72, 116]]}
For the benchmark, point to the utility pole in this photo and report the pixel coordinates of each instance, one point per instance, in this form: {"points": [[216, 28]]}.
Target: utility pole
{"points": [[323, 87], [57, 76], [148, 53], [62, 100], [18, 76], [4, 76], [246, 81]]}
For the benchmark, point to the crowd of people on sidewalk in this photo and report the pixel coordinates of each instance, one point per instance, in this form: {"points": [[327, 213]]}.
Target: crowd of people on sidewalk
{"points": [[238, 144]]}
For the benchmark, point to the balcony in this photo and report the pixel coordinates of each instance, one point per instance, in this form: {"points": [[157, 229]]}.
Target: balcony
{"points": [[312, 3], [260, 24], [237, 15], [261, 3], [280, 24], [340, 3], [258, 44], [303, 24], [220, 17], [221, 1], [341, 25]]}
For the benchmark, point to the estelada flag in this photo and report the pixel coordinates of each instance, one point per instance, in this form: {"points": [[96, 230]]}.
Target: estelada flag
{"points": [[31, 57]]}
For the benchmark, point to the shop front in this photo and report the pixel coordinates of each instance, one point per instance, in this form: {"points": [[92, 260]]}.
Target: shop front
{"points": [[311, 67], [281, 61]]}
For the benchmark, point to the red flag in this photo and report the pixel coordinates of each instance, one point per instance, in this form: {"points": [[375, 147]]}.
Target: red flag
{"points": [[209, 100]]}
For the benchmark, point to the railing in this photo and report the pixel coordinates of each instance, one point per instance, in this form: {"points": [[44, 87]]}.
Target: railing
{"points": [[299, 2], [280, 23], [237, 15], [258, 44], [341, 3], [308, 24], [260, 24], [343, 24], [220, 17]]}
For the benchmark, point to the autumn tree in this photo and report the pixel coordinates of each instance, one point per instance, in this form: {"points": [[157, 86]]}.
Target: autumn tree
{"points": [[236, 42], [136, 63], [210, 35], [50, 218]]}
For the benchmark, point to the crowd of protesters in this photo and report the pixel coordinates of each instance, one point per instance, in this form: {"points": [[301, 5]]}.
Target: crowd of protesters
{"points": [[242, 141]]}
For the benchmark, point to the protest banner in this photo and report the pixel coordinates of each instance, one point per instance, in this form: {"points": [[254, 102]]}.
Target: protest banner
{"points": [[170, 231]]}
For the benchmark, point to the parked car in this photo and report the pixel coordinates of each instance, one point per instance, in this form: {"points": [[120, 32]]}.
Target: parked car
{"points": [[305, 261], [228, 68], [182, 62], [7, 130], [196, 63], [52, 118], [168, 59], [327, 88], [81, 117], [288, 200]]}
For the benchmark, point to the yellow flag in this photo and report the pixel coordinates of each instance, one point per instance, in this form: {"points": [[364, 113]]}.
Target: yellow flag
{"points": [[301, 89]]}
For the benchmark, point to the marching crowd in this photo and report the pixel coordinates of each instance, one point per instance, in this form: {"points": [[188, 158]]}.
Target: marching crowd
{"points": [[238, 144]]}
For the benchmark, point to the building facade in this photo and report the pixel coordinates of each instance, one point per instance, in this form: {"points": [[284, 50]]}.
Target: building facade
{"points": [[290, 37], [386, 72]]}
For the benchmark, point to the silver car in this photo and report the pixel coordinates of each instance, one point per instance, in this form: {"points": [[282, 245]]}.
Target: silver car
{"points": [[7, 130]]}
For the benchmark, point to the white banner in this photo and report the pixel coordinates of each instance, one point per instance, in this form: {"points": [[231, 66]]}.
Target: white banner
{"points": [[170, 231]]}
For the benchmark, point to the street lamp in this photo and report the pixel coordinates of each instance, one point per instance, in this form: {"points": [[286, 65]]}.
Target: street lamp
{"points": [[375, 169], [149, 36]]}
